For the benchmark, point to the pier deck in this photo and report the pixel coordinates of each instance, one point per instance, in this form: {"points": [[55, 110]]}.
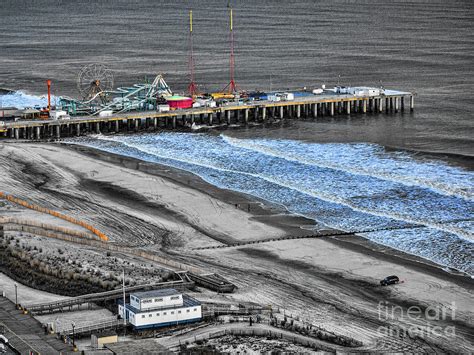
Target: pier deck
{"points": [[313, 106]]}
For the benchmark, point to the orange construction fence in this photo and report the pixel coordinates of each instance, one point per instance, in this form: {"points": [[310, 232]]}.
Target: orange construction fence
{"points": [[18, 201]]}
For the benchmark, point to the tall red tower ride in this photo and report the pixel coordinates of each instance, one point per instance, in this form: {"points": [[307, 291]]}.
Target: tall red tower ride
{"points": [[192, 88], [231, 87]]}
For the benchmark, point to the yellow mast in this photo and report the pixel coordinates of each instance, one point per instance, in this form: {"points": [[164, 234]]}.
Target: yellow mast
{"points": [[231, 19], [190, 20]]}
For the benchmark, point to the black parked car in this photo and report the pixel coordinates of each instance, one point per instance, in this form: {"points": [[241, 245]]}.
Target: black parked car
{"points": [[390, 280]]}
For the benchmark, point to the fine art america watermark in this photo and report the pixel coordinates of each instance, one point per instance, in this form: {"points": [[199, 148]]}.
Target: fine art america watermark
{"points": [[417, 321]]}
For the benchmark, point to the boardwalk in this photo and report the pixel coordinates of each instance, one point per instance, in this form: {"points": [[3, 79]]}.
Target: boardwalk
{"points": [[25, 333]]}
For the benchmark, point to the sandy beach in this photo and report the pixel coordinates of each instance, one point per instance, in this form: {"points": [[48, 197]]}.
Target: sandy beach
{"points": [[332, 282]]}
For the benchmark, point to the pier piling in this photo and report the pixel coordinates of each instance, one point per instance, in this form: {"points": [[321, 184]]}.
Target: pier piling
{"points": [[258, 112]]}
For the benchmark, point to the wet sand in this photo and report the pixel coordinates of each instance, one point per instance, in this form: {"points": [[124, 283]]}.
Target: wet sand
{"points": [[332, 282], [272, 214]]}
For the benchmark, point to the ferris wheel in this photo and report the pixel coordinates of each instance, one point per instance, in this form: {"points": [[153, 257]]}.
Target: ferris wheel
{"points": [[94, 80]]}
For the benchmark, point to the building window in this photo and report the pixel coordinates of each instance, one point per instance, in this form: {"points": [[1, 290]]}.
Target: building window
{"points": [[195, 309], [157, 314], [174, 297], [187, 310], [150, 315], [179, 312], [143, 316], [164, 313], [158, 299], [172, 312]]}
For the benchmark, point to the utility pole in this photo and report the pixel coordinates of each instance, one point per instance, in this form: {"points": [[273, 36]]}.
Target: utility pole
{"points": [[73, 335], [16, 295], [124, 304]]}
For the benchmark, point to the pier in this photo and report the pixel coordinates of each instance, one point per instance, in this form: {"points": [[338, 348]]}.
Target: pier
{"points": [[260, 112]]}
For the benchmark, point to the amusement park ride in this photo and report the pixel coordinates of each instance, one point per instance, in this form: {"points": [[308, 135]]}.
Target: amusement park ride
{"points": [[95, 84]]}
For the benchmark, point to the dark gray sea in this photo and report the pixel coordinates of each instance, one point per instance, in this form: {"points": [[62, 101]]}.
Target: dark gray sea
{"points": [[369, 174], [424, 46]]}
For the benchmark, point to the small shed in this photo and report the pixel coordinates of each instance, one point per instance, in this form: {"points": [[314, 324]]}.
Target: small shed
{"points": [[98, 340], [30, 114]]}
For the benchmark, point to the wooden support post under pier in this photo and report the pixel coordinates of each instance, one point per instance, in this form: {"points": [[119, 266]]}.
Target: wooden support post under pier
{"points": [[412, 103]]}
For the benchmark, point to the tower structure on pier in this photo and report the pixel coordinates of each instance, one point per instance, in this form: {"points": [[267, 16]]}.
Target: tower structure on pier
{"points": [[192, 88], [231, 87]]}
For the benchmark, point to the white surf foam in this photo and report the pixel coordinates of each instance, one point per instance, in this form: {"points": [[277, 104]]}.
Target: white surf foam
{"points": [[285, 180], [369, 160], [20, 100]]}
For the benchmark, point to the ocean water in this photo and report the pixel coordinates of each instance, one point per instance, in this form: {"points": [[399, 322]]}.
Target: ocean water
{"points": [[426, 46], [421, 206], [20, 99]]}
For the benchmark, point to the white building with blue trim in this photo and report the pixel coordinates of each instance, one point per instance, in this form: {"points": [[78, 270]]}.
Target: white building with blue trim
{"points": [[160, 308]]}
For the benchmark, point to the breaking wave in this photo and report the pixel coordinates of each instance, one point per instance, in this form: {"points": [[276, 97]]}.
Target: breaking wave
{"points": [[371, 160], [20, 100], [353, 187]]}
